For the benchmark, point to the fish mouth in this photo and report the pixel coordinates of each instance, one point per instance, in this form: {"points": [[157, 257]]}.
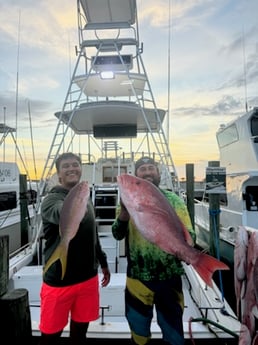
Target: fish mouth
{"points": [[119, 178]]}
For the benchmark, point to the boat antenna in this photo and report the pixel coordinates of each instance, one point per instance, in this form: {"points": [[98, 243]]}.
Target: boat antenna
{"points": [[32, 142], [4, 133], [169, 44], [17, 81], [244, 60]]}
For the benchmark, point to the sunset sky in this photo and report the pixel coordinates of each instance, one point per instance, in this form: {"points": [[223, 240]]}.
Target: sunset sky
{"points": [[213, 60]]}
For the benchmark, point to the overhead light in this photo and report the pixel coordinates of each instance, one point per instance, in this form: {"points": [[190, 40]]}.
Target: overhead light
{"points": [[107, 75]]}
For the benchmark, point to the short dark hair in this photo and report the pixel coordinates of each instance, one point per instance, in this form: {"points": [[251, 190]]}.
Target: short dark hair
{"points": [[66, 155]]}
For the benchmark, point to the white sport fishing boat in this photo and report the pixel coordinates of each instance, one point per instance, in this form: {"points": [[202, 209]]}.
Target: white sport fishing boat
{"points": [[110, 114], [237, 143], [17, 197]]}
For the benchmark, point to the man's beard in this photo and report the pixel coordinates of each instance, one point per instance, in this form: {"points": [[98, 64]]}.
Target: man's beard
{"points": [[153, 179]]}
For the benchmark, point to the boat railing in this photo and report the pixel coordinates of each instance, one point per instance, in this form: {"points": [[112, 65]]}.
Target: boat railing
{"points": [[98, 20]]}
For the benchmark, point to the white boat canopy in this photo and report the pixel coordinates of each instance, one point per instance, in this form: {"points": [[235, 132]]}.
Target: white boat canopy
{"points": [[109, 13]]}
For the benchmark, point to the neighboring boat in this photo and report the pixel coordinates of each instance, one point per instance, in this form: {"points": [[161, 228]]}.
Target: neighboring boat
{"points": [[17, 197], [237, 143], [112, 122]]}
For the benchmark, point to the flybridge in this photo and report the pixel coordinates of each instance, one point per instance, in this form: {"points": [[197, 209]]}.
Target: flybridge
{"points": [[98, 13], [112, 62], [110, 96]]}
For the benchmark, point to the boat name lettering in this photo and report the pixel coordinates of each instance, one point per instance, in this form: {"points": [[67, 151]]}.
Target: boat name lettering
{"points": [[5, 172]]}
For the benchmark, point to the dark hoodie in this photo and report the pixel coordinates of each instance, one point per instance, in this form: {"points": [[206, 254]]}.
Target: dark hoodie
{"points": [[84, 252]]}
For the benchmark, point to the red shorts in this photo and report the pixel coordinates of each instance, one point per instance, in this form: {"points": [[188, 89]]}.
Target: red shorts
{"points": [[80, 302]]}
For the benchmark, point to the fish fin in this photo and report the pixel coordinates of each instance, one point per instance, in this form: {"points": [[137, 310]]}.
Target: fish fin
{"points": [[159, 211], [187, 236], [60, 253], [53, 258], [207, 265], [63, 259], [241, 272], [243, 289], [255, 311]]}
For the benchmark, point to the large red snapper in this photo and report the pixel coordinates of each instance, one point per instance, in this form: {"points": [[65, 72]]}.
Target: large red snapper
{"points": [[249, 304], [255, 279], [158, 222], [72, 213], [240, 264], [245, 336], [255, 340]]}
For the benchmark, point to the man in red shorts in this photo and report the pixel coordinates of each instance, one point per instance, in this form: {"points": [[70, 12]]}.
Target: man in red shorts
{"points": [[76, 296]]}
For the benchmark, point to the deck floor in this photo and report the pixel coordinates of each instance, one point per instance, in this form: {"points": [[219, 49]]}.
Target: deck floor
{"points": [[30, 278], [65, 341]]}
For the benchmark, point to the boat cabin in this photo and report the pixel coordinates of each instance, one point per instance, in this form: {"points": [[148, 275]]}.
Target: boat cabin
{"points": [[238, 145]]}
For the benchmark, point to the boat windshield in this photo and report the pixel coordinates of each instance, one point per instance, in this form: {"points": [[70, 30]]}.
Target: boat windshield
{"points": [[227, 136]]}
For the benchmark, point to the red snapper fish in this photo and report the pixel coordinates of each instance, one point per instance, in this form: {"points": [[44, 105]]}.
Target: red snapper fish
{"points": [[240, 264], [250, 307], [158, 223], [72, 213], [255, 279], [245, 336], [255, 340]]}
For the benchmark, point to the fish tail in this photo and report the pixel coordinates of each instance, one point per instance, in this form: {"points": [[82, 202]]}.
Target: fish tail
{"points": [[207, 265], [63, 259], [60, 253]]}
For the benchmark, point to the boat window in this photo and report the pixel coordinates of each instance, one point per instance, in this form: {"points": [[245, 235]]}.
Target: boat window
{"points": [[254, 127], [251, 198], [8, 200], [227, 136], [110, 173], [115, 131]]}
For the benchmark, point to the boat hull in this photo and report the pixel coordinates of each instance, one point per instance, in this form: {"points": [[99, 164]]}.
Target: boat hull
{"points": [[225, 250]]}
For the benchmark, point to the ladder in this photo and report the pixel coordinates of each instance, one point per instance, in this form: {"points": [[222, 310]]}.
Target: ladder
{"points": [[92, 20], [105, 200], [109, 42]]}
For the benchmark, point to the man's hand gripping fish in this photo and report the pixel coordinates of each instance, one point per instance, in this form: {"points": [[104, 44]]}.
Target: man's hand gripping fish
{"points": [[158, 222], [72, 213]]}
